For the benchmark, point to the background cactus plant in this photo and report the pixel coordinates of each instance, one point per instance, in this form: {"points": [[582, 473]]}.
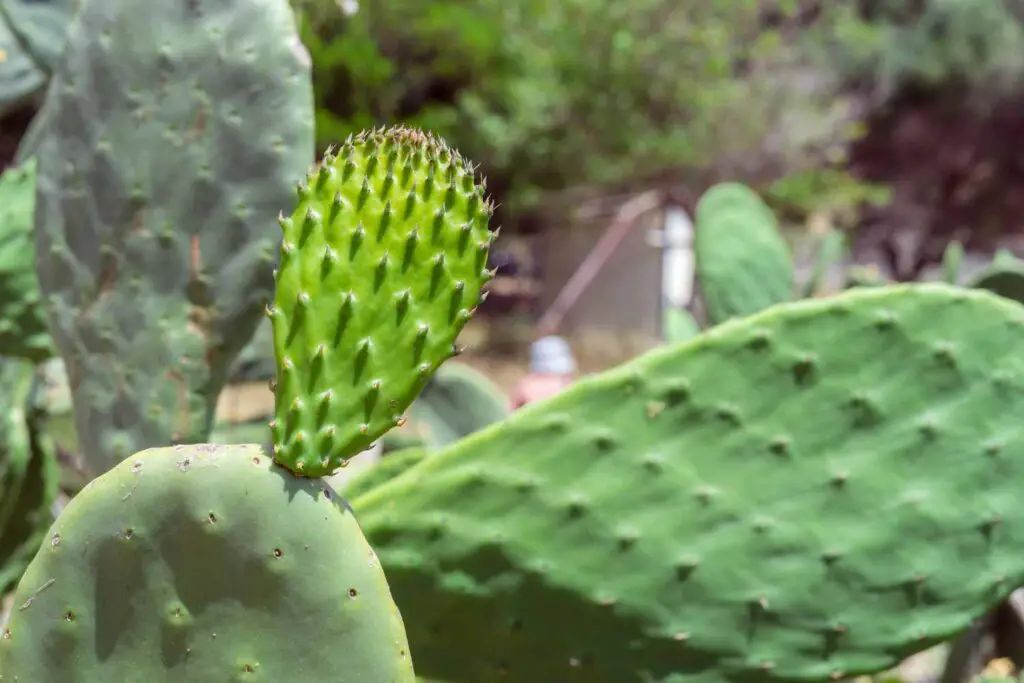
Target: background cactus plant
{"points": [[830, 247], [952, 261], [171, 136], [743, 262]]}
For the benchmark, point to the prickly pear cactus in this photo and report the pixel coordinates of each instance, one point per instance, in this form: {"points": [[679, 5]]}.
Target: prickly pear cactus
{"points": [[810, 493], [21, 77], [23, 329], [172, 137], [381, 266], [15, 452], [743, 262], [204, 563]]}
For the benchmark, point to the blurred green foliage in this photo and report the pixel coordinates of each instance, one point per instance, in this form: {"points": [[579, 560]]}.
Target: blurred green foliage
{"points": [[550, 96], [892, 44]]}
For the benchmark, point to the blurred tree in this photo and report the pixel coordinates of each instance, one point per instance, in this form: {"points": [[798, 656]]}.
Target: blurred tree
{"points": [[550, 96], [945, 84], [890, 45]]}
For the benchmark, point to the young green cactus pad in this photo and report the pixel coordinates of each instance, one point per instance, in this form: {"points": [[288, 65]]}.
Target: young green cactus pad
{"points": [[23, 328], [204, 563], [381, 266], [743, 262], [807, 494], [173, 135]]}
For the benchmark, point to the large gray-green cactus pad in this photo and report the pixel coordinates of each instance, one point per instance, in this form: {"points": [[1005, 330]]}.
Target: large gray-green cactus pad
{"points": [[173, 135], [808, 494]]}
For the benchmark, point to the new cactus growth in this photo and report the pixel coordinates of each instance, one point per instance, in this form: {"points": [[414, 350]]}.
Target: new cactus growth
{"points": [[171, 137], [807, 494], [382, 265], [199, 563]]}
